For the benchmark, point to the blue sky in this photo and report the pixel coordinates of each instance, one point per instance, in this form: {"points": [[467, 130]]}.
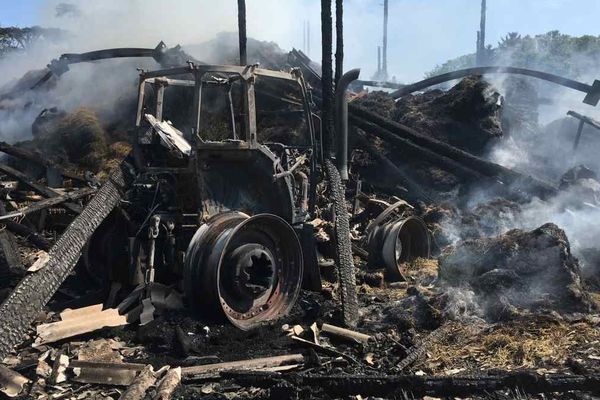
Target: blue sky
{"points": [[423, 33]]}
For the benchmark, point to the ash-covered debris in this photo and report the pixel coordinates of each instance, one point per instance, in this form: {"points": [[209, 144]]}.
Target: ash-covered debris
{"points": [[518, 270]]}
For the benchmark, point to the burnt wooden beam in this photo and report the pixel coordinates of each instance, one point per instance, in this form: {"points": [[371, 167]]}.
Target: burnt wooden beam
{"points": [[242, 32], [390, 386], [51, 202], [27, 233], [22, 306], [327, 131], [438, 151], [35, 157], [36, 187], [339, 40]]}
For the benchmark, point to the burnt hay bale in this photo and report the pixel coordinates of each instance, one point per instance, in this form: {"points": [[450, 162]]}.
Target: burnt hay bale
{"points": [[528, 270], [80, 139]]}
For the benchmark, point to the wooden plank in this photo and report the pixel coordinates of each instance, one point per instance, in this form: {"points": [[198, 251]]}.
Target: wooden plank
{"points": [[255, 363], [69, 313], [90, 322], [11, 382]]}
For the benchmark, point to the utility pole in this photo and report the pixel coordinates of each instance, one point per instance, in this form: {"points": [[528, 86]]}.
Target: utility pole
{"points": [[481, 50], [304, 37], [308, 38], [242, 31], [339, 40], [378, 60], [385, 40]]}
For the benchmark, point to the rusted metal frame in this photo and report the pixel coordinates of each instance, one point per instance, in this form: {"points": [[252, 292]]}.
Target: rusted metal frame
{"points": [[231, 113], [173, 82], [159, 87], [250, 112], [201, 70], [316, 155], [197, 112], [44, 191], [140, 104]]}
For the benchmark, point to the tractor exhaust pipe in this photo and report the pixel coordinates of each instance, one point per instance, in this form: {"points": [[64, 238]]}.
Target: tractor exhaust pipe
{"points": [[341, 120]]}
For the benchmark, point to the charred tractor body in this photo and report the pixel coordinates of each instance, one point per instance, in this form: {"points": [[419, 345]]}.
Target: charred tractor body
{"points": [[225, 160]]}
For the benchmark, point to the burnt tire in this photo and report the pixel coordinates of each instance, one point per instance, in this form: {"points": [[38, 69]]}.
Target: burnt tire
{"points": [[343, 247]]}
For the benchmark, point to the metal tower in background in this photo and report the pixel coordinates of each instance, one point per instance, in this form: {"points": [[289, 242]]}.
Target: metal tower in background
{"points": [[481, 55]]}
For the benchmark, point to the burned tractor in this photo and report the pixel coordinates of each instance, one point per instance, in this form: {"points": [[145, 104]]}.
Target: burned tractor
{"points": [[226, 163]]}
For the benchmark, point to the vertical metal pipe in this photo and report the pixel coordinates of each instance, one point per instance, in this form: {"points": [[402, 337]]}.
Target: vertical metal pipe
{"points": [[326, 78], [385, 38], [341, 119], [242, 31], [339, 40]]}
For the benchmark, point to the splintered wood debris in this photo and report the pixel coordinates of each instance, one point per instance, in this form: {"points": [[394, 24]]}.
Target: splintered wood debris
{"points": [[78, 322]]}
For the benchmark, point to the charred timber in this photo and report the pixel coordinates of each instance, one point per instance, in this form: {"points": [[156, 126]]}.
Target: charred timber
{"points": [[29, 297], [436, 149], [36, 187], [242, 31], [327, 77], [425, 153], [339, 37], [29, 234], [28, 155], [444, 386], [415, 192], [46, 203]]}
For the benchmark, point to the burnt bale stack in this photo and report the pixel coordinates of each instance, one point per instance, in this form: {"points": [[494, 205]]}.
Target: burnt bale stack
{"points": [[466, 116], [519, 269]]}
